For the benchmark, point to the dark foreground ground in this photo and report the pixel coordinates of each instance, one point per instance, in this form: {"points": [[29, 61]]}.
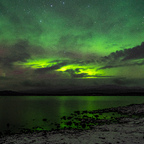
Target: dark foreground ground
{"points": [[125, 129]]}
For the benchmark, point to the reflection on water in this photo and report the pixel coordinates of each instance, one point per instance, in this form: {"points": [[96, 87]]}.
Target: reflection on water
{"points": [[30, 111]]}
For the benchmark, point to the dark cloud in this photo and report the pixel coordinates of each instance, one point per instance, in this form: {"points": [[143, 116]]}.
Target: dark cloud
{"points": [[134, 53], [18, 52], [126, 57], [52, 68], [122, 65], [15, 53], [129, 54]]}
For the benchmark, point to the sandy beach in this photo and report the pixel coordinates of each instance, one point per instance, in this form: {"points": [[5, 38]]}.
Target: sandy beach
{"points": [[128, 130]]}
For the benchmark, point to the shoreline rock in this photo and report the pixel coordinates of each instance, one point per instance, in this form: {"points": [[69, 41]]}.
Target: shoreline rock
{"points": [[129, 130]]}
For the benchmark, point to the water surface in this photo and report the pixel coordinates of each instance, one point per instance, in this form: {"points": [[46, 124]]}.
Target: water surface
{"points": [[17, 112]]}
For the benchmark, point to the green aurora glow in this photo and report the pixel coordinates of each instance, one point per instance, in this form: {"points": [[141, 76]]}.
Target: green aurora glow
{"points": [[79, 39]]}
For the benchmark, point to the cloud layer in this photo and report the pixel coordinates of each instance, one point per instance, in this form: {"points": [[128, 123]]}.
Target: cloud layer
{"points": [[54, 43], [127, 57]]}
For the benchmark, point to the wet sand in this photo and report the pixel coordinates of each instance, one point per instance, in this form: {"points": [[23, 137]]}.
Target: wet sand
{"points": [[128, 130]]}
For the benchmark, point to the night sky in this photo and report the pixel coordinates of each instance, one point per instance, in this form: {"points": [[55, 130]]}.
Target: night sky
{"points": [[71, 44]]}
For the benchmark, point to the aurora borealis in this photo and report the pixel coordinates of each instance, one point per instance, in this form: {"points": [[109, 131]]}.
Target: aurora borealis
{"points": [[68, 44]]}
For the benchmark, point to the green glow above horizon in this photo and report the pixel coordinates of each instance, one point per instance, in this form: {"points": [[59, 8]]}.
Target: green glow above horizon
{"points": [[37, 63], [111, 29], [77, 39], [89, 70]]}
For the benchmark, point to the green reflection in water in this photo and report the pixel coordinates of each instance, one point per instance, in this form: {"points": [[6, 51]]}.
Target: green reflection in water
{"points": [[30, 111], [84, 121]]}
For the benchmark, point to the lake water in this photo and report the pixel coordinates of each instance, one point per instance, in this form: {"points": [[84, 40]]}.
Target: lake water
{"points": [[17, 112]]}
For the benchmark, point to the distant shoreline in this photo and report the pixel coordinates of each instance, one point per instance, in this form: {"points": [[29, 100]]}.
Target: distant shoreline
{"points": [[73, 93]]}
